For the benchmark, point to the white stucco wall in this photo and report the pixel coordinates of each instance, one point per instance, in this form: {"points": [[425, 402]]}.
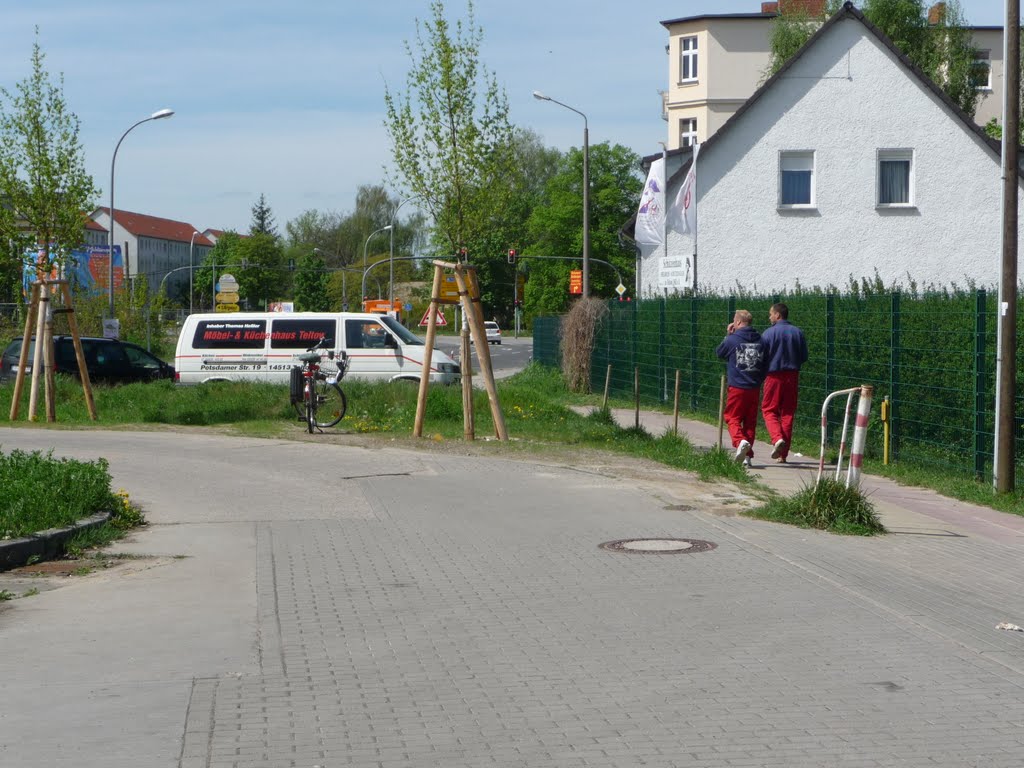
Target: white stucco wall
{"points": [[846, 98]]}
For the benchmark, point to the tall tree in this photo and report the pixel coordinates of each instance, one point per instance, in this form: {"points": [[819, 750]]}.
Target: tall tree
{"points": [[941, 46], [311, 284], [450, 133], [555, 229], [262, 219], [263, 274], [44, 188]]}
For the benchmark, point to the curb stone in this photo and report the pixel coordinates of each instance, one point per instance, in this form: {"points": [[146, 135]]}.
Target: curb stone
{"points": [[45, 545]]}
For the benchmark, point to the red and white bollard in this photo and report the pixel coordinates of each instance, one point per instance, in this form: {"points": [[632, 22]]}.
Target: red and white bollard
{"points": [[860, 433]]}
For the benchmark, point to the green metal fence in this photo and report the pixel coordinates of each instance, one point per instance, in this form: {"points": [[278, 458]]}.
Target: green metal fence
{"points": [[932, 355]]}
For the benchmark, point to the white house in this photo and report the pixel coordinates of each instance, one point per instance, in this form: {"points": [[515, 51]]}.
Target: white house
{"points": [[846, 163], [157, 248]]}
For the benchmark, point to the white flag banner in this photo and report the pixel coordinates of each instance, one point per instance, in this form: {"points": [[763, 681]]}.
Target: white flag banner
{"points": [[650, 217], [683, 214]]}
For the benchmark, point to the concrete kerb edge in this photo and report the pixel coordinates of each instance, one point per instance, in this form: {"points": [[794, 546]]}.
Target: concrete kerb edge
{"points": [[45, 545]]}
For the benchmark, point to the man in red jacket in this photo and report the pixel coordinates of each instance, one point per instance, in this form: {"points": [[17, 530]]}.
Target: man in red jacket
{"points": [[785, 350]]}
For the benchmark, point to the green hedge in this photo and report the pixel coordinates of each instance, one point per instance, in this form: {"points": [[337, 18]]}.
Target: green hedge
{"points": [[932, 355]]}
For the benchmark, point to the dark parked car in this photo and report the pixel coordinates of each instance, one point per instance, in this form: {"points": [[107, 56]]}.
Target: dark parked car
{"points": [[108, 360]]}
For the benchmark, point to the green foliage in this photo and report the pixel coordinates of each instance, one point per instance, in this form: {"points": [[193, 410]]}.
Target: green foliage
{"points": [[262, 219], [453, 144], [42, 492], [44, 187], [556, 226], [311, 284], [943, 51], [829, 506]]}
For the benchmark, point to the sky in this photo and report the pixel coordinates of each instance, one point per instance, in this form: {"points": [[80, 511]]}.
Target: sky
{"points": [[287, 99]]}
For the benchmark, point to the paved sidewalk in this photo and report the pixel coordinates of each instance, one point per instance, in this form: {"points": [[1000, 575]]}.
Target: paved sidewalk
{"points": [[903, 509], [315, 604]]}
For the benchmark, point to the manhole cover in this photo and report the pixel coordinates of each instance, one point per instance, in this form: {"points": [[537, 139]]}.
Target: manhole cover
{"points": [[659, 546]]}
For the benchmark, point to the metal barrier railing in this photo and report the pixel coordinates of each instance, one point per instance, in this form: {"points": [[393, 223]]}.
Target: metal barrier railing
{"points": [[860, 433]]}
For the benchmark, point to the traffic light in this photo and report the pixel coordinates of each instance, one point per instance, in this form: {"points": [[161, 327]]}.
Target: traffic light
{"points": [[518, 303], [511, 255]]}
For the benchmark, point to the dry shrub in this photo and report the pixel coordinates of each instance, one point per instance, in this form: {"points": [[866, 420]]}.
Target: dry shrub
{"points": [[579, 329]]}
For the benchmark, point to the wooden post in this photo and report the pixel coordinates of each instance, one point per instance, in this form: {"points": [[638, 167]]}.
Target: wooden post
{"points": [[465, 277], [37, 357], [76, 339], [50, 380], [721, 411], [19, 379], [607, 383], [428, 351], [636, 395], [465, 353], [675, 406]]}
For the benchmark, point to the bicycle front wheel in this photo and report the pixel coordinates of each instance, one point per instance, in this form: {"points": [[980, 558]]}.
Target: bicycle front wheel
{"points": [[330, 404], [310, 412]]}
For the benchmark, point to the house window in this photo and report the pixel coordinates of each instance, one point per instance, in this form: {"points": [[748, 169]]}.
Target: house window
{"points": [[688, 59], [895, 177], [982, 71], [687, 132], [796, 179]]}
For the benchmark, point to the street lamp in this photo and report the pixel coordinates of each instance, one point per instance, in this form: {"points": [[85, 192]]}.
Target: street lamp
{"points": [[586, 189], [391, 250], [191, 266], [159, 115], [376, 231]]}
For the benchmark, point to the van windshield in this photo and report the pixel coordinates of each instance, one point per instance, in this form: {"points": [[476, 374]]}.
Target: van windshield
{"points": [[403, 333]]}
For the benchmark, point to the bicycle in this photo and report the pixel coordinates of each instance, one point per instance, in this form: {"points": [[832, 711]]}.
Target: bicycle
{"points": [[316, 397]]}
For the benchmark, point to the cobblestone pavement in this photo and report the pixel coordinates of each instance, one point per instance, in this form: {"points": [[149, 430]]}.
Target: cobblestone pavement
{"points": [[427, 610]]}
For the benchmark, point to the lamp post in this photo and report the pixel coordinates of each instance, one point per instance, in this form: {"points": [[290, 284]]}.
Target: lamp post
{"points": [[391, 250], [191, 267], [376, 231], [586, 189], [159, 115]]}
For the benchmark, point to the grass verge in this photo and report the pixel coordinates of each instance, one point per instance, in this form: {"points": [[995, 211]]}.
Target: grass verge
{"points": [[41, 492], [829, 506]]}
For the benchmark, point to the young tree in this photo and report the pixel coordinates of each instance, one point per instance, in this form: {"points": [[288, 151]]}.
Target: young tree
{"points": [[451, 136], [311, 284], [44, 188], [942, 50], [262, 219]]}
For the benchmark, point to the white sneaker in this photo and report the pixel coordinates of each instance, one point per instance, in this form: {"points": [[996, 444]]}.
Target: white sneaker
{"points": [[780, 446], [741, 451], [748, 463]]}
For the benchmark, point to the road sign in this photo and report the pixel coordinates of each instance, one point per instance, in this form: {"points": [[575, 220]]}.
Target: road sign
{"points": [[576, 281], [227, 283], [449, 290], [620, 289], [408, 307], [225, 297], [227, 307], [440, 317]]}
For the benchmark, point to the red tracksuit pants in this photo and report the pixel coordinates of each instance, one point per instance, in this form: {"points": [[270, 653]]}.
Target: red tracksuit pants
{"points": [[741, 416], [779, 406]]}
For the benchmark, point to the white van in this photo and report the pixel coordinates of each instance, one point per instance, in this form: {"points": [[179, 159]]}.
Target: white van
{"points": [[264, 346]]}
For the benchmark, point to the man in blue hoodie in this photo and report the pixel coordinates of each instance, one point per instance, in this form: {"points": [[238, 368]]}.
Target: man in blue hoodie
{"points": [[785, 350], [744, 356]]}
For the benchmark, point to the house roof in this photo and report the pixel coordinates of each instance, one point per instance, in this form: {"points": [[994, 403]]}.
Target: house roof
{"points": [[94, 225], [142, 225], [704, 16]]}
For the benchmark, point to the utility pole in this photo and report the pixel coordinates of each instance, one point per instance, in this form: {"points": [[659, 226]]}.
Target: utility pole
{"points": [[1006, 360]]}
